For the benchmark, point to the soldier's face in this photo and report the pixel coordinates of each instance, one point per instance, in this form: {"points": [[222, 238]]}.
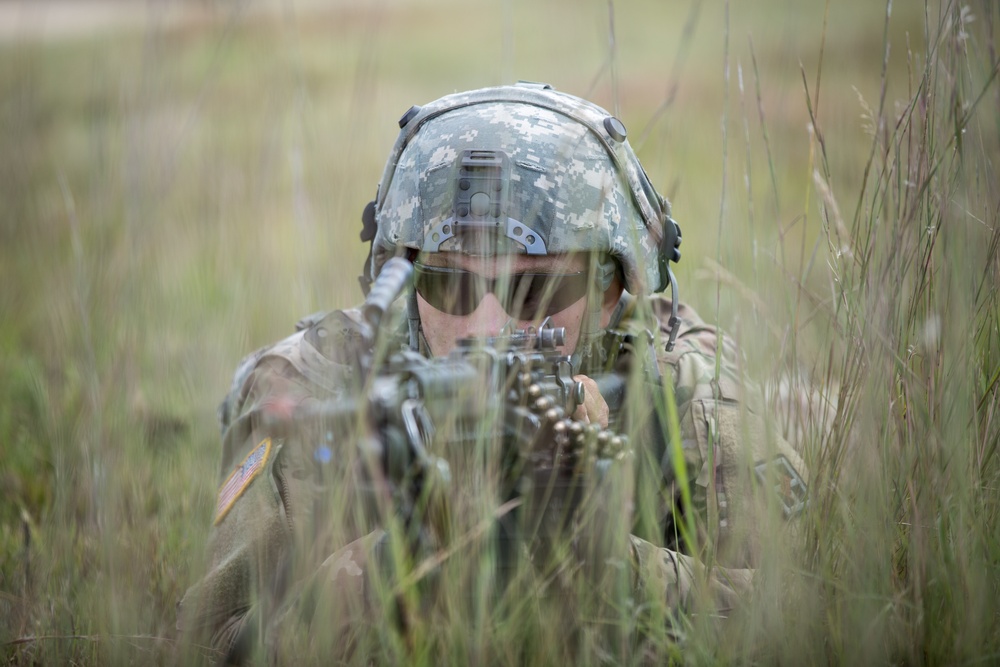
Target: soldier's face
{"points": [[461, 296]]}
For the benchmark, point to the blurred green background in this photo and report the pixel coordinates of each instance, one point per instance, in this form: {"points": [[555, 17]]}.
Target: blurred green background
{"points": [[181, 181]]}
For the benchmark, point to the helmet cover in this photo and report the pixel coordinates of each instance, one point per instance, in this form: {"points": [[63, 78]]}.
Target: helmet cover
{"points": [[527, 169]]}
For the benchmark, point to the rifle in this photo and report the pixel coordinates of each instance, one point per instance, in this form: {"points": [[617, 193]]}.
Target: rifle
{"points": [[410, 408]]}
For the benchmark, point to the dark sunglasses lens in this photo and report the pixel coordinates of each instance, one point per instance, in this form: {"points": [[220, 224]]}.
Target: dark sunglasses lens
{"points": [[526, 296], [449, 290], [537, 295]]}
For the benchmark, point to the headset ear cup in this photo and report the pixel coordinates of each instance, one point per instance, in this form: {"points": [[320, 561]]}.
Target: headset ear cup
{"points": [[678, 238], [669, 248], [369, 228]]}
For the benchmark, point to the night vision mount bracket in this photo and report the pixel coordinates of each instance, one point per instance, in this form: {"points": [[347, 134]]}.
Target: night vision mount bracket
{"points": [[481, 205]]}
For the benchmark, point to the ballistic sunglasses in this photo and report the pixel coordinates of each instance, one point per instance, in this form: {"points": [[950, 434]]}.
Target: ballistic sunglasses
{"points": [[524, 296]]}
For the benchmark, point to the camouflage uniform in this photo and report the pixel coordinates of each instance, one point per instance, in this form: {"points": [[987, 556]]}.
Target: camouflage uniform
{"points": [[259, 537]]}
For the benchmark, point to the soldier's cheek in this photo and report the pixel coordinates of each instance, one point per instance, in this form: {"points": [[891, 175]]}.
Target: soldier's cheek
{"points": [[571, 319]]}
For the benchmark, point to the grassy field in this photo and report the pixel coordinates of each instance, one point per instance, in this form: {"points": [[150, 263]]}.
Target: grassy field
{"points": [[172, 198]]}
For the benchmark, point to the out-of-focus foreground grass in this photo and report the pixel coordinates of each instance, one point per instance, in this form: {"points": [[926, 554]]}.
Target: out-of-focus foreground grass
{"points": [[175, 195]]}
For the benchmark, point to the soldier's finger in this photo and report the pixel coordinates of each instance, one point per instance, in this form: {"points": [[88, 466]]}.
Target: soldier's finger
{"points": [[594, 404]]}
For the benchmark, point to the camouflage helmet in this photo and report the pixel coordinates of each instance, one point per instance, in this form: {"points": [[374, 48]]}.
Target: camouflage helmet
{"points": [[542, 172]]}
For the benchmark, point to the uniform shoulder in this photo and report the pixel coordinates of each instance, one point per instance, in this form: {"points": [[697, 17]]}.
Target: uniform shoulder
{"points": [[705, 360], [323, 349]]}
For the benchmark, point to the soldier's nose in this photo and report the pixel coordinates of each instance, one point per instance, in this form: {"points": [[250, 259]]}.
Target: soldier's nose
{"points": [[488, 318]]}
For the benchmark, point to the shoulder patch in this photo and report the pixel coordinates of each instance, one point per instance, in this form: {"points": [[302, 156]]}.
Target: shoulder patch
{"points": [[788, 485], [240, 479]]}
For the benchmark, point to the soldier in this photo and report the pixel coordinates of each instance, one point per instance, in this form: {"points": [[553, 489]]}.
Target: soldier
{"points": [[515, 203]]}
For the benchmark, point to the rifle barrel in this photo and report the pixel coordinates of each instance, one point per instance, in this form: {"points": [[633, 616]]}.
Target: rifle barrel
{"points": [[391, 282]]}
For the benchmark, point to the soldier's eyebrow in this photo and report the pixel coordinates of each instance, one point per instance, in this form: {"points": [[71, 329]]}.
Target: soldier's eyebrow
{"points": [[556, 264], [548, 268]]}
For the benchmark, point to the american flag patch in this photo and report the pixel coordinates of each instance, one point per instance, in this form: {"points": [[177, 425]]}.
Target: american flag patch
{"points": [[240, 478]]}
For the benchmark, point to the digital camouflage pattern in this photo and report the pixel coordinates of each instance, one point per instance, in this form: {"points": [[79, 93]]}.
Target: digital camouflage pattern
{"points": [[568, 184], [271, 572]]}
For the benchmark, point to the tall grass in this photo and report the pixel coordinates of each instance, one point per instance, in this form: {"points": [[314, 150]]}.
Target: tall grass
{"points": [[900, 561], [164, 211]]}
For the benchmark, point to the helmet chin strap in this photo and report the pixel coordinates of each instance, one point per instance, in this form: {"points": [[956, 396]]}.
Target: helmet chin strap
{"points": [[590, 353], [416, 340]]}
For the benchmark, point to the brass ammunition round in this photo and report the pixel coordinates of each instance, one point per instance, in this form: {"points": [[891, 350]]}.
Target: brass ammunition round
{"points": [[543, 404]]}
